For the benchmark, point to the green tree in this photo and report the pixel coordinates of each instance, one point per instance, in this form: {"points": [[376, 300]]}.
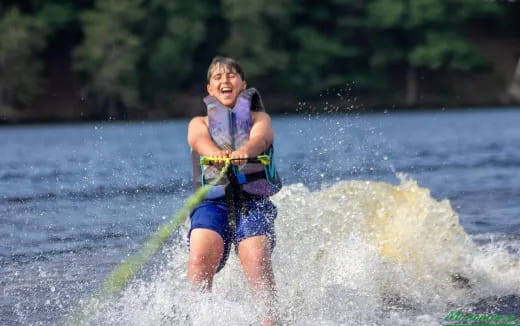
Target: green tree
{"points": [[139, 53], [57, 14], [427, 34], [327, 51], [21, 40], [172, 37], [256, 30], [110, 52]]}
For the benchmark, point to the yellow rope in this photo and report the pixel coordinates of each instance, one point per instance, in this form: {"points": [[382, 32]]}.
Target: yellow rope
{"points": [[124, 272]]}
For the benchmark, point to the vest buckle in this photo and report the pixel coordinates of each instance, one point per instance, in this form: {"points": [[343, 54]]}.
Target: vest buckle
{"points": [[241, 178]]}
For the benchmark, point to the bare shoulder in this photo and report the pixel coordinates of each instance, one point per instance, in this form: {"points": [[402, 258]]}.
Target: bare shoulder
{"points": [[197, 129], [198, 122], [260, 116]]}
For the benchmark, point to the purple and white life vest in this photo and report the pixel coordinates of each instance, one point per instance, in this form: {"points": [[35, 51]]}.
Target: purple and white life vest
{"points": [[230, 129]]}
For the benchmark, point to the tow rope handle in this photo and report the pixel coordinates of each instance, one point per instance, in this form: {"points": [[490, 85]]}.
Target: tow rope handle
{"points": [[262, 159]]}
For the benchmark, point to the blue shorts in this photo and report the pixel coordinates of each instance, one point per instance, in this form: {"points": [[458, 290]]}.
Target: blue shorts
{"points": [[255, 217]]}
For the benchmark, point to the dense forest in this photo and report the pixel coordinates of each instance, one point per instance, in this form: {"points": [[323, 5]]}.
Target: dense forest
{"points": [[63, 60]]}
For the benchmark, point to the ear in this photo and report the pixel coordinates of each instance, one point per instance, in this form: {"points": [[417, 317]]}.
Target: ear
{"points": [[208, 88], [244, 85]]}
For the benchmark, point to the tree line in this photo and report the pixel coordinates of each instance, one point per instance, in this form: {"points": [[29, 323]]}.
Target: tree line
{"points": [[134, 55]]}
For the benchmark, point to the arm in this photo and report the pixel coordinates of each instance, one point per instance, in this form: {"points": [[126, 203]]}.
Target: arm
{"points": [[200, 140], [260, 138]]}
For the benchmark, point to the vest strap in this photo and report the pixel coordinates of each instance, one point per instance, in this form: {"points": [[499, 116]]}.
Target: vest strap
{"points": [[250, 177]]}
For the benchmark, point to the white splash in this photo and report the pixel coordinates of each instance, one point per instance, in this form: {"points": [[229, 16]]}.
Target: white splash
{"points": [[354, 253]]}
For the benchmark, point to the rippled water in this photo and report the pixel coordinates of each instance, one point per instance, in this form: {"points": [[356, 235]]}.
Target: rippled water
{"points": [[357, 244]]}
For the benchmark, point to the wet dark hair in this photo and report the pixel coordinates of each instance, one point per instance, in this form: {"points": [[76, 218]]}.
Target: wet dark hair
{"points": [[226, 62]]}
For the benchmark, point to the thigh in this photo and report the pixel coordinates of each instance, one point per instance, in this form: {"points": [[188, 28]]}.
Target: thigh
{"points": [[206, 246], [255, 258], [209, 236]]}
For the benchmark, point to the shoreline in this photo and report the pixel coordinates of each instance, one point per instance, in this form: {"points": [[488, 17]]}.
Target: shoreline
{"points": [[312, 111]]}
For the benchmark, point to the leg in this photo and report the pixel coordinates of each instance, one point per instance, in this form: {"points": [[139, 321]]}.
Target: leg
{"points": [[206, 250], [255, 257]]}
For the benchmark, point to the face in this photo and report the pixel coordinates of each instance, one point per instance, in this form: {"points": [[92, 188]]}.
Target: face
{"points": [[225, 85]]}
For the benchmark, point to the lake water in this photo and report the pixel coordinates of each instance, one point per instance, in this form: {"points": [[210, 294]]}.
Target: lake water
{"points": [[385, 219]]}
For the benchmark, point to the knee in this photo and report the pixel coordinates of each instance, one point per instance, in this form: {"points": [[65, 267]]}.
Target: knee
{"points": [[203, 260], [197, 259], [256, 260], [206, 249], [255, 252]]}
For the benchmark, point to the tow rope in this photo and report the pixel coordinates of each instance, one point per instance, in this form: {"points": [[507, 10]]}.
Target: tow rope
{"points": [[124, 272]]}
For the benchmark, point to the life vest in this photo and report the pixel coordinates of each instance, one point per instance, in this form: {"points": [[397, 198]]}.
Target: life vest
{"points": [[230, 129]]}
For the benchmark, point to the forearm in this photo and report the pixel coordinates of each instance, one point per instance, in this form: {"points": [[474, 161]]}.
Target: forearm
{"points": [[200, 140], [255, 146], [205, 147], [261, 135]]}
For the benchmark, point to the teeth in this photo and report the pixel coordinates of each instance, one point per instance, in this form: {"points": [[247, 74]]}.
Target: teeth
{"points": [[225, 89]]}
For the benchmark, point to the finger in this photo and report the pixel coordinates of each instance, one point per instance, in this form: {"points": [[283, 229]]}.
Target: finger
{"points": [[240, 158], [214, 162], [244, 159], [221, 155], [219, 162]]}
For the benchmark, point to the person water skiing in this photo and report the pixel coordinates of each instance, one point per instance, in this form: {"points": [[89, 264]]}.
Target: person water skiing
{"points": [[238, 210]]}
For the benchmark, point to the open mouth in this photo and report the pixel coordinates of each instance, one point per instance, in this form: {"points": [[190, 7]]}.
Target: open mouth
{"points": [[226, 90]]}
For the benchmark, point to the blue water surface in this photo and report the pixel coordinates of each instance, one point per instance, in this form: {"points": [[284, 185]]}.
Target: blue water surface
{"points": [[75, 199]]}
